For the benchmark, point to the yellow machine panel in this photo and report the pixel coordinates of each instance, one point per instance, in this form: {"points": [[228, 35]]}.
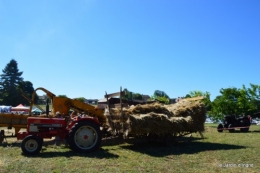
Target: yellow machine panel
{"points": [[60, 104]]}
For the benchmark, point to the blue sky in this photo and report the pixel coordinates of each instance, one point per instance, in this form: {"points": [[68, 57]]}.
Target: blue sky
{"points": [[85, 48]]}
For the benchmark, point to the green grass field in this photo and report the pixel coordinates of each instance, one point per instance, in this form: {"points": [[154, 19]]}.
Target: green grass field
{"points": [[217, 152]]}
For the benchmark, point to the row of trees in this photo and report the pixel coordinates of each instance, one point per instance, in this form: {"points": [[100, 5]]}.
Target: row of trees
{"points": [[82, 99], [158, 95], [12, 86], [231, 101], [237, 101], [128, 95]]}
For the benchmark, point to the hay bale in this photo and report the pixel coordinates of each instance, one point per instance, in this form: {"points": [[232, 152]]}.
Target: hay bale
{"points": [[195, 109], [148, 123], [182, 117], [117, 121], [147, 108]]}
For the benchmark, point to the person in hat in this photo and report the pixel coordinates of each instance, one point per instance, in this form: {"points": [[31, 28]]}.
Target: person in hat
{"points": [[73, 114], [58, 115]]}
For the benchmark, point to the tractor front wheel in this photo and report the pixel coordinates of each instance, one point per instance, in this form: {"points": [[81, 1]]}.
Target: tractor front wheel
{"points": [[31, 145], [84, 137]]}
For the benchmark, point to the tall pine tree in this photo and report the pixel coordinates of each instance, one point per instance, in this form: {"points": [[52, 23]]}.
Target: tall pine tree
{"points": [[9, 82]]}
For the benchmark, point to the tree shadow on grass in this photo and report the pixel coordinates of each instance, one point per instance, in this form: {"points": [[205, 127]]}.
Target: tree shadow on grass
{"points": [[192, 146], [238, 131], [50, 150], [99, 153], [156, 148], [143, 140], [11, 142], [175, 146]]}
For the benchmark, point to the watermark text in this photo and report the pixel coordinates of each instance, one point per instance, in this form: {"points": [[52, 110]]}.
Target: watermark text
{"points": [[235, 165]]}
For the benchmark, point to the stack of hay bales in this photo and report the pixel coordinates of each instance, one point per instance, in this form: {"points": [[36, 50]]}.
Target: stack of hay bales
{"points": [[191, 113], [174, 119]]}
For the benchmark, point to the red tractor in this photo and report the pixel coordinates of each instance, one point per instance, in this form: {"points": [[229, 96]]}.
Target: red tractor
{"points": [[82, 134]]}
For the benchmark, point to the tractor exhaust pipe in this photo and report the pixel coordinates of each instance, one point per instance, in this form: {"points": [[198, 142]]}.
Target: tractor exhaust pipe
{"points": [[47, 107]]}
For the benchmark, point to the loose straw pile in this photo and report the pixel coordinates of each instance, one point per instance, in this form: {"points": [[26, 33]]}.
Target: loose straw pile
{"points": [[174, 119]]}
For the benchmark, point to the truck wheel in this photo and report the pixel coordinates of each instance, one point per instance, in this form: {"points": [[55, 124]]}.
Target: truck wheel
{"points": [[220, 128], [245, 123], [231, 128], [84, 137], [31, 145], [244, 129]]}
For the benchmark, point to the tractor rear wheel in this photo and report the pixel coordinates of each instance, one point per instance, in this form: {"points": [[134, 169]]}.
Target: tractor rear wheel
{"points": [[220, 128], [84, 137], [31, 145], [231, 128]]}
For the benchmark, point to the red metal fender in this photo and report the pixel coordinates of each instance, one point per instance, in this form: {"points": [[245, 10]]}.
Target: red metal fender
{"points": [[79, 119], [21, 135]]}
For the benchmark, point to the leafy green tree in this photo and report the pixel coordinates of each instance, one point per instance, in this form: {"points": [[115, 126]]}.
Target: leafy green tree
{"points": [[130, 95], [206, 96], [63, 96], [137, 96], [195, 94], [161, 96], [254, 92], [158, 93], [188, 96], [127, 95], [243, 101], [218, 109], [152, 98], [26, 88], [82, 99], [225, 104], [235, 101], [9, 82], [164, 100]]}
